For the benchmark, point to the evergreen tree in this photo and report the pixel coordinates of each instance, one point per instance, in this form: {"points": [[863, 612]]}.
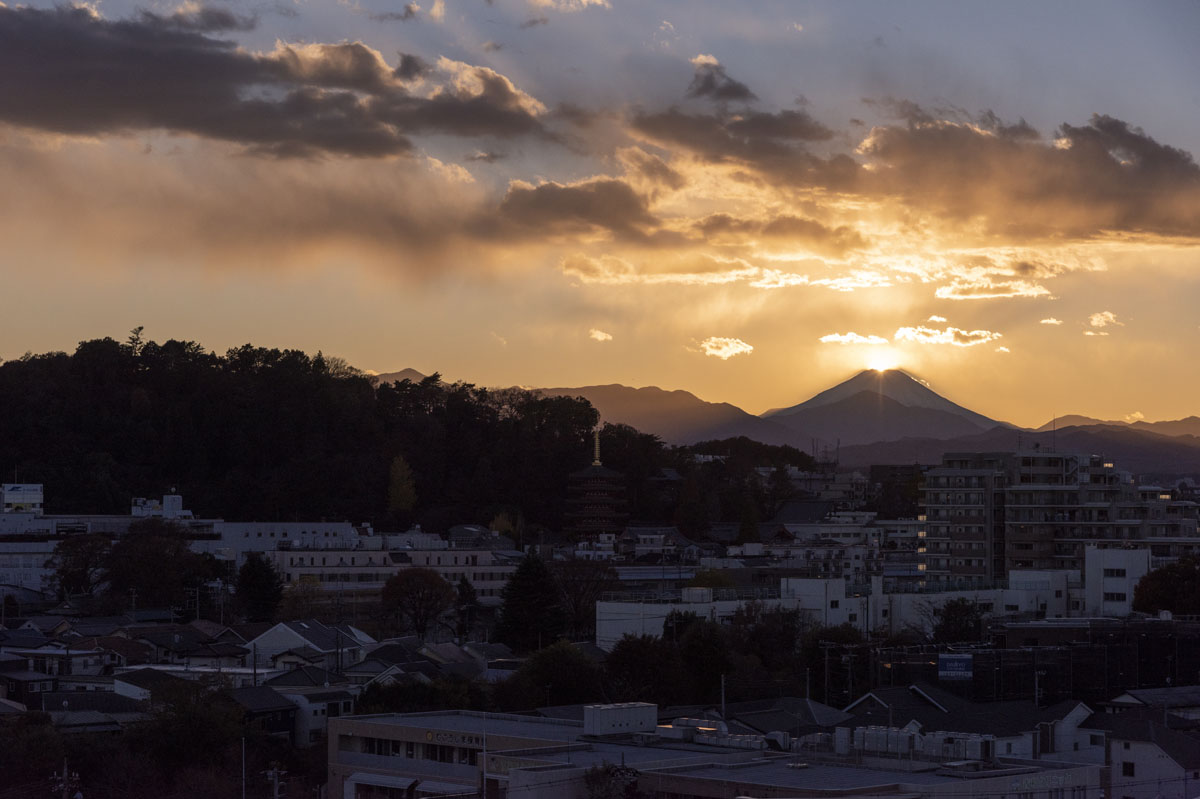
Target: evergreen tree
{"points": [[531, 613], [259, 588]]}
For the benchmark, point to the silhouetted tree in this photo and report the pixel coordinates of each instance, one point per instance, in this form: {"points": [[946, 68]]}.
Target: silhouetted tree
{"points": [[78, 565], [466, 607], [644, 668], [154, 563], [558, 674], [402, 493], [417, 597], [531, 611], [582, 583], [957, 620], [259, 588], [1174, 587]]}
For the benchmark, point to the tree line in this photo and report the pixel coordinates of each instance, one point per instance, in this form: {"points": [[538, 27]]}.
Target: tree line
{"points": [[270, 434]]}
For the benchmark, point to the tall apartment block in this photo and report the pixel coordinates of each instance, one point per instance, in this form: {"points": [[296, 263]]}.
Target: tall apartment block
{"points": [[987, 513], [964, 511]]}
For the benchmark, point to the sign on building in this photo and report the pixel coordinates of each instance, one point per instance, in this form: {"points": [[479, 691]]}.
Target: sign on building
{"points": [[955, 667]]}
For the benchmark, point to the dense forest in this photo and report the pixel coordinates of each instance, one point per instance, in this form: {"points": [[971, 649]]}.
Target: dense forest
{"points": [[264, 434]]}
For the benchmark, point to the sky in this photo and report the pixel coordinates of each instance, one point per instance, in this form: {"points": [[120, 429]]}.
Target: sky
{"points": [[751, 202]]}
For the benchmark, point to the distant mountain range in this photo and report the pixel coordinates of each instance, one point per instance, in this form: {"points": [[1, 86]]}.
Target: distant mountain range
{"points": [[679, 417], [885, 417]]}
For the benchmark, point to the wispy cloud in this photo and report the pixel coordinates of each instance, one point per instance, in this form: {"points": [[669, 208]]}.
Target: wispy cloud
{"points": [[950, 335], [1104, 319], [725, 348], [1050, 320], [851, 338], [599, 335], [936, 318]]}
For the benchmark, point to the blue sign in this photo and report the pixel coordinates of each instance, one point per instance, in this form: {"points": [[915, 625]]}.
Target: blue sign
{"points": [[955, 667]]}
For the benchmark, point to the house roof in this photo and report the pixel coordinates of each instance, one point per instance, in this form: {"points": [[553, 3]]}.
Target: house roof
{"points": [[23, 638], [1174, 696], [1182, 746], [244, 632], [102, 701], [400, 650], [305, 677], [935, 709], [260, 699], [150, 679], [485, 650], [172, 638], [133, 651], [302, 652], [219, 649], [326, 638]]}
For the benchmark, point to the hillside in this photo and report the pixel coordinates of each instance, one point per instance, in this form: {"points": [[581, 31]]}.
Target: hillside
{"points": [[679, 417], [1132, 450]]}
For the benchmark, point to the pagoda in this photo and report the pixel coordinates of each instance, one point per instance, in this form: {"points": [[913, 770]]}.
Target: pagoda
{"points": [[596, 500]]}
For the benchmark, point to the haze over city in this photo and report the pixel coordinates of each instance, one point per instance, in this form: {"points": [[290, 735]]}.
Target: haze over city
{"points": [[751, 205]]}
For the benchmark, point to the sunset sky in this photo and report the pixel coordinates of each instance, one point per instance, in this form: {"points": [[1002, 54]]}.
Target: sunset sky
{"points": [[747, 201]]}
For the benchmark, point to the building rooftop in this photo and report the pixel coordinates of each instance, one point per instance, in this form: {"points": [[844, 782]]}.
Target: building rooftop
{"points": [[489, 723]]}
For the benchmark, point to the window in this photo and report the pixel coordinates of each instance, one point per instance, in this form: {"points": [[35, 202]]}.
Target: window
{"points": [[1114, 572], [853, 617], [1114, 596], [1127, 769], [833, 603]]}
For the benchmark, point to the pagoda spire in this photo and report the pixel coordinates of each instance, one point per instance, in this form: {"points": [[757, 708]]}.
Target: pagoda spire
{"points": [[596, 447]]}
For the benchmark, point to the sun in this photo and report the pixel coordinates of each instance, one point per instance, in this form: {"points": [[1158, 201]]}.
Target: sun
{"points": [[883, 359]]}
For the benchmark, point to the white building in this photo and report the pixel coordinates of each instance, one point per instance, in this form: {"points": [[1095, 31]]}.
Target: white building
{"points": [[1110, 576], [835, 601]]}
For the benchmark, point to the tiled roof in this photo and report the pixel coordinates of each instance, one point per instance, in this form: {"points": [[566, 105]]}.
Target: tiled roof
{"points": [[260, 699]]}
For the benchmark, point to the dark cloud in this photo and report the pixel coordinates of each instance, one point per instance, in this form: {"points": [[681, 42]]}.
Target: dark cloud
{"points": [[485, 156], [807, 232], [533, 22], [796, 125], [1015, 130], [202, 19], [712, 82], [492, 47], [410, 12], [409, 67], [1103, 176], [651, 168], [71, 71], [600, 203], [770, 144]]}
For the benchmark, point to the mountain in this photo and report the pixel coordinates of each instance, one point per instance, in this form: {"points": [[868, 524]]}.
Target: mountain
{"points": [[397, 377], [881, 406], [1133, 450], [1074, 420], [1188, 426], [679, 417]]}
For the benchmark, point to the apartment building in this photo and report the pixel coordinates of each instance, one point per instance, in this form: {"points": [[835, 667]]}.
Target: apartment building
{"points": [[964, 512]]}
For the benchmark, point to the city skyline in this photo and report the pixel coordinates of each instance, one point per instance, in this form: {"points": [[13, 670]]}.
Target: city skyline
{"points": [[747, 206]]}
